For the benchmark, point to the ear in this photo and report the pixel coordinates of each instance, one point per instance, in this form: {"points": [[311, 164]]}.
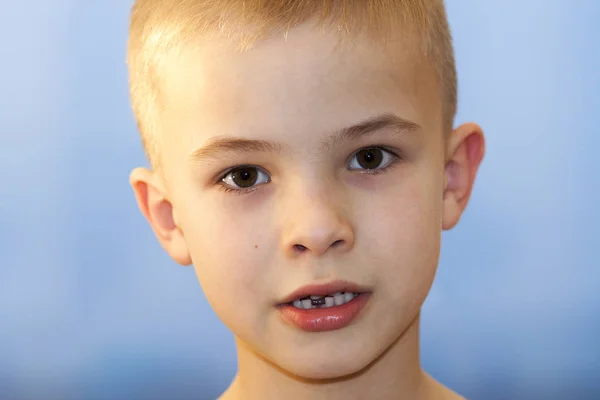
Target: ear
{"points": [[465, 150], [152, 200]]}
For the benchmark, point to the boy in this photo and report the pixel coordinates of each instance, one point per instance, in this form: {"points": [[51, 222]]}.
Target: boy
{"points": [[304, 161]]}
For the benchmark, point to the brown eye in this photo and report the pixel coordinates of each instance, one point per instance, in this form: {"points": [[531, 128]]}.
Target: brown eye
{"points": [[372, 159], [245, 177], [369, 158]]}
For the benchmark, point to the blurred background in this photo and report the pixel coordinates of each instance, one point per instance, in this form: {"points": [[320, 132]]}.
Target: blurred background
{"points": [[92, 308]]}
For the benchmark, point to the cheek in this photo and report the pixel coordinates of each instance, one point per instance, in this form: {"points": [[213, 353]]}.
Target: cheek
{"points": [[407, 238], [228, 252]]}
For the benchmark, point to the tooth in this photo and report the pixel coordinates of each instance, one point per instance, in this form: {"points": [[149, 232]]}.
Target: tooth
{"points": [[307, 304], [298, 304], [335, 294], [329, 301], [316, 297], [338, 299], [348, 296]]}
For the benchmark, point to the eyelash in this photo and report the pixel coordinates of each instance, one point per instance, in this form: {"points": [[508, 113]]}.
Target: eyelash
{"points": [[241, 191]]}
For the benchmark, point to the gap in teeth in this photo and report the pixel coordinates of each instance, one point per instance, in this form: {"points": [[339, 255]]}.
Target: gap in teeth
{"points": [[334, 299]]}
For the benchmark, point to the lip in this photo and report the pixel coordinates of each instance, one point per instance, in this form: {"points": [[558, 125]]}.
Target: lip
{"points": [[323, 289], [324, 319]]}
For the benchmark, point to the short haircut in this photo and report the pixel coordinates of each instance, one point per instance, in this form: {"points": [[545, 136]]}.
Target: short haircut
{"points": [[162, 27]]}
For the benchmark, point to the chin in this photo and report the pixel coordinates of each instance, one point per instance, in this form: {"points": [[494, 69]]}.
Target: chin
{"points": [[327, 365]]}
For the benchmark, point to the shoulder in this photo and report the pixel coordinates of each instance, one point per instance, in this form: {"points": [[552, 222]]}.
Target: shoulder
{"points": [[437, 391]]}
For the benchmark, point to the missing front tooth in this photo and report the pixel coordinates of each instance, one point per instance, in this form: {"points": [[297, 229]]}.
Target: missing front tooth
{"points": [[318, 302]]}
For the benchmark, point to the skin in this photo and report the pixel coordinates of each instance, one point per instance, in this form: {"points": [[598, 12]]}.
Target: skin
{"points": [[319, 218]]}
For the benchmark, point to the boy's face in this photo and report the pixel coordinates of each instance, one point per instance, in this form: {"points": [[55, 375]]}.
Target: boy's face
{"points": [[311, 213]]}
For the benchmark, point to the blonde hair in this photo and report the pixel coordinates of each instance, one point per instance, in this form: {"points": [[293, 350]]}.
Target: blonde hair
{"points": [[161, 27]]}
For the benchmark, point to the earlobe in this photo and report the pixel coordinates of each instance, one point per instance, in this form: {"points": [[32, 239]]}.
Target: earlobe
{"points": [[466, 148], [154, 204]]}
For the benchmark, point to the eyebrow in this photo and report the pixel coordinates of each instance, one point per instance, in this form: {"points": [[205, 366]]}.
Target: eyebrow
{"points": [[222, 146]]}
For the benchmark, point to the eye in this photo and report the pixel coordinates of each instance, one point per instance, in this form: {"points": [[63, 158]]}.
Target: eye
{"points": [[245, 177], [372, 158]]}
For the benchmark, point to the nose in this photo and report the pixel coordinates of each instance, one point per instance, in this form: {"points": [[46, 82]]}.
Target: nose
{"points": [[316, 225]]}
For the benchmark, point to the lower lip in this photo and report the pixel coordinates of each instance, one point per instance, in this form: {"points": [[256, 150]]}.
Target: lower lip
{"points": [[324, 319]]}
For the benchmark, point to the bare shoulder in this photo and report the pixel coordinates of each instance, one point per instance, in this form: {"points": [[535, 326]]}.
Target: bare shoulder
{"points": [[437, 391], [448, 394]]}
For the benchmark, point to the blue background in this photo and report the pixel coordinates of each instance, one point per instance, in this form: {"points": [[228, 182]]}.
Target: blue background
{"points": [[91, 306]]}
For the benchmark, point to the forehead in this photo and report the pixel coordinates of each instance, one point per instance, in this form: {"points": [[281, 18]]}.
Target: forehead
{"points": [[308, 81]]}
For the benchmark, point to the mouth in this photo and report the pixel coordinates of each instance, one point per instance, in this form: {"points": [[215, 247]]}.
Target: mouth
{"points": [[332, 290], [330, 300], [320, 308]]}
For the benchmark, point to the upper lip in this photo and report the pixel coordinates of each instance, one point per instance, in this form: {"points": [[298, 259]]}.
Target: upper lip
{"points": [[324, 289]]}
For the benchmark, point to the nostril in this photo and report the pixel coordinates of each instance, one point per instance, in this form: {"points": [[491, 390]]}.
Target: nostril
{"points": [[337, 243], [299, 247]]}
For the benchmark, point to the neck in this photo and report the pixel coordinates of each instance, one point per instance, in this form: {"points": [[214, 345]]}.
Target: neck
{"points": [[396, 371]]}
